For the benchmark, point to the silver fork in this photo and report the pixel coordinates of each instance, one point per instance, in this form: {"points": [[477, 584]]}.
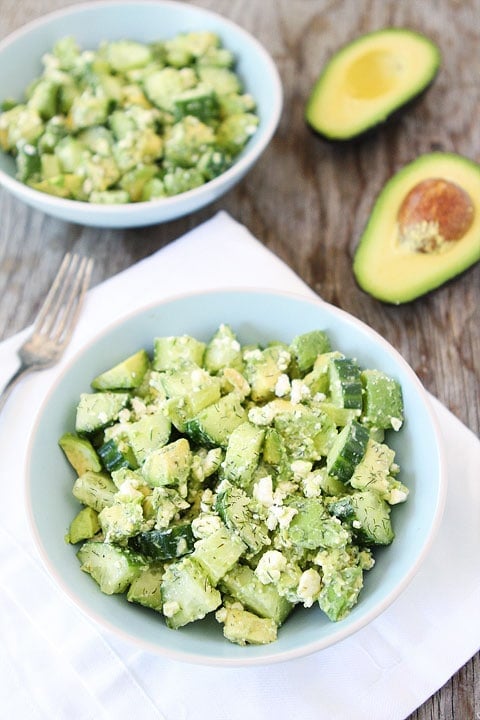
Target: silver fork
{"points": [[56, 320]]}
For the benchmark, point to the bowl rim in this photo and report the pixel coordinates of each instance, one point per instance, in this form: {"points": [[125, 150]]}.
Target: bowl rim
{"points": [[269, 656], [124, 211]]}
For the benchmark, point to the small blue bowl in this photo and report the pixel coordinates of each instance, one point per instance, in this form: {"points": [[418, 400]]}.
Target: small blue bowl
{"points": [[90, 24], [257, 316]]}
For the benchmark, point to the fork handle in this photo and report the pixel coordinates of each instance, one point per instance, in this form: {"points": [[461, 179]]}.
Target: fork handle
{"points": [[16, 377]]}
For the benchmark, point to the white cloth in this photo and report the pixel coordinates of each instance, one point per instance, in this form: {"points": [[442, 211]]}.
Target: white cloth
{"points": [[55, 663]]}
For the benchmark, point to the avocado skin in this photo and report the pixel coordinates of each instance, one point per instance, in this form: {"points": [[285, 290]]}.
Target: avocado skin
{"points": [[388, 114], [398, 278]]}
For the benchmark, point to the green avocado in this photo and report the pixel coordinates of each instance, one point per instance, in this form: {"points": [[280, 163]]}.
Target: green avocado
{"points": [[370, 79], [424, 229]]}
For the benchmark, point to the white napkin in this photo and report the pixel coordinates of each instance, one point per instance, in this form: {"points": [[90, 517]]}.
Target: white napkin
{"points": [[55, 663]]}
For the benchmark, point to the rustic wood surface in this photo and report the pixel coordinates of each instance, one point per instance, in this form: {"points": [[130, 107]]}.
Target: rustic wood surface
{"points": [[308, 202]]}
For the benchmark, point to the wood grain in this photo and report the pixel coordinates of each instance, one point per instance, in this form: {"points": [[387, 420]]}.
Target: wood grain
{"points": [[308, 202]]}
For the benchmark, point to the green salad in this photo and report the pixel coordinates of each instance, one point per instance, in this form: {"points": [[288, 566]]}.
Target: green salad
{"points": [[129, 121], [239, 480]]}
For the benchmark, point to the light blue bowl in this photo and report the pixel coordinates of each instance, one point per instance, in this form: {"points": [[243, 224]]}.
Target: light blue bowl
{"points": [[90, 23], [256, 316]]}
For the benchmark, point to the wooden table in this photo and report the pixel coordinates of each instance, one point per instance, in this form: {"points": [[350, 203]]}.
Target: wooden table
{"points": [[308, 202]]}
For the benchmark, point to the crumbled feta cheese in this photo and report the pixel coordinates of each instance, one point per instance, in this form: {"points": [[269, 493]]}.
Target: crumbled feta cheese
{"points": [[281, 516], [309, 587], [282, 386], [261, 415], [270, 566], [263, 491], [300, 469], [299, 392], [205, 524]]}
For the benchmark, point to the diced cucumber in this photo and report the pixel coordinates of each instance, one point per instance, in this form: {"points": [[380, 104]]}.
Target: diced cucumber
{"points": [[146, 588], [311, 528], [307, 435], [115, 454], [121, 520], [168, 465], [189, 389], [96, 490], [243, 585], [171, 351], [246, 628], [340, 593], [234, 507], [263, 368], [217, 553], [148, 434], [341, 416], [80, 453], [223, 351], [305, 348], [97, 410], [383, 401], [174, 542], [368, 516], [112, 567], [213, 425], [83, 526], [347, 451], [243, 452], [125, 375], [345, 383], [187, 594]]}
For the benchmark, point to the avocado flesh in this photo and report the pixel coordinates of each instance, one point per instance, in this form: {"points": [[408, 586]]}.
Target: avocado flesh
{"points": [[396, 272], [368, 80]]}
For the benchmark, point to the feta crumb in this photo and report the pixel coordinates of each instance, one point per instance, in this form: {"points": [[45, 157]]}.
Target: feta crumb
{"points": [[299, 392], [263, 491], [281, 516], [300, 469], [270, 566], [309, 587], [282, 386]]}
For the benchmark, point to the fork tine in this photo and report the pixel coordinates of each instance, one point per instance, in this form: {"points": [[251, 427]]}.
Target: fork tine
{"points": [[66, 319], [72, 307], [51, 303]]}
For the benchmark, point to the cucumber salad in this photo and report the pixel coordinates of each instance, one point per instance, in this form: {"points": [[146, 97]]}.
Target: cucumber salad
{"points": [[129, 121], [238, 480]]}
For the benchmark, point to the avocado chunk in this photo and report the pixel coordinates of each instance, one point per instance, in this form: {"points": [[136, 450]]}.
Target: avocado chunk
{"points": [[368, 80], [424, 229]]}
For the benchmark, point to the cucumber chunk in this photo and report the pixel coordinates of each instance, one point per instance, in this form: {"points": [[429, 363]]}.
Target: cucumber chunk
{"points": [[243, 452], [174, 542], [347, 451], [235, 508], [213, 425], [127, 374], [218, 553], [368, 515], [146, 588], [97, 410], [345, 383], [243, 585], [187, 593], [113, 568], [96, 490], [383, 401], [305, 348], [246, 628]]}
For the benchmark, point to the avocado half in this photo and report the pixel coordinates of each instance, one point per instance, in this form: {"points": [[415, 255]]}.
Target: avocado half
{"points": [[424, 229], [370, 79]]}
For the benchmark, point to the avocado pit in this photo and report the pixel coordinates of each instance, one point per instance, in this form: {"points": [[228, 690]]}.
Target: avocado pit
{"points": [[433, 215]]}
